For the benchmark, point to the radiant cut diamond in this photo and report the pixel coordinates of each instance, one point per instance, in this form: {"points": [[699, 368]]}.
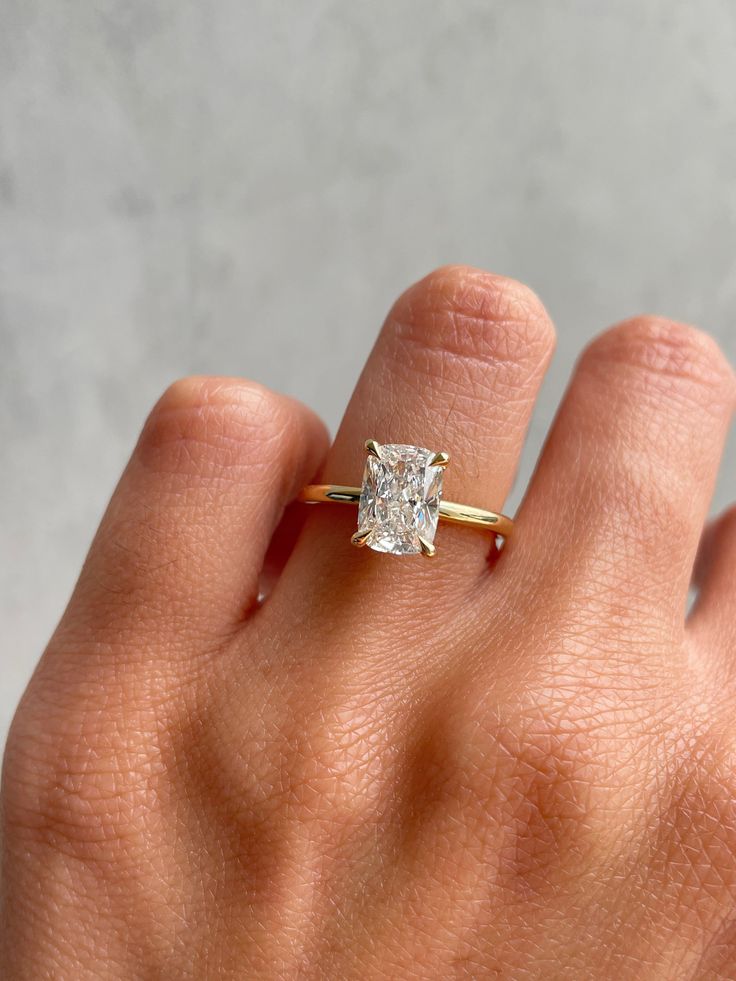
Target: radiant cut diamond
{"points": [[400, 499]]}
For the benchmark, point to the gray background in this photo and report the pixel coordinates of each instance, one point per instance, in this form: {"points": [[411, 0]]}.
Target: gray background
{"points": [[242, 186]]}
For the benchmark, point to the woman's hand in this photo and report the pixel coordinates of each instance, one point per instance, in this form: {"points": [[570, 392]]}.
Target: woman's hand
{"points": [[397, 768]]}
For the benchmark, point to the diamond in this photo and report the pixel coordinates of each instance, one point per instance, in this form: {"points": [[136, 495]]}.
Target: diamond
{"points": [[400, 499]]}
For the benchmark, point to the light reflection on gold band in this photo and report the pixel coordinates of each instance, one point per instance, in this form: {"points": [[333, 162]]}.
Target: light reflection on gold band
{"points": [[462, 514]]}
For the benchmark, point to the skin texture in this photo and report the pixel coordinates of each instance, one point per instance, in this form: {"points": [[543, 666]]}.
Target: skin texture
{"points": [[477, 766]]}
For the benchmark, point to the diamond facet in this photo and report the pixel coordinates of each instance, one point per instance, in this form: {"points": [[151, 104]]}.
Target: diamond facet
{"points": [[400, 499]]}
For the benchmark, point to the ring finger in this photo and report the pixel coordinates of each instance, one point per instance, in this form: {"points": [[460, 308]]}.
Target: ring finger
{"points": [[456, 368]]}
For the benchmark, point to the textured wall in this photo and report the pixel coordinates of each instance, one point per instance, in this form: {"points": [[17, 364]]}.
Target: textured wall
{"points": [[243, 187]]}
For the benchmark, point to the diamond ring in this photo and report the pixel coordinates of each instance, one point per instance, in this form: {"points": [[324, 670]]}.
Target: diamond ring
{"points": [[400, 501]]}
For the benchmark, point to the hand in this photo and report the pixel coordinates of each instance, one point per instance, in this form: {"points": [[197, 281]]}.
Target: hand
{"points": [[395, 767]]}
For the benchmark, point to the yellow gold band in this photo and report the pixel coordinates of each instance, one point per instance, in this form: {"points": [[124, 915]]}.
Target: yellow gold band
{"points": [[462, 514]]}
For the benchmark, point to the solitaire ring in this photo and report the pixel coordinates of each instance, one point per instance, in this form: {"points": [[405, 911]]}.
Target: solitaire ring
{"points": [[400, 501]]}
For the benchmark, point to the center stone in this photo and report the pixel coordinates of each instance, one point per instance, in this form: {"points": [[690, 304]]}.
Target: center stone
{"points": [[400, 498]]}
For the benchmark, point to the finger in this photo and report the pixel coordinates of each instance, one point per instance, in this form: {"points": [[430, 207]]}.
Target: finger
{"points": [[456, 368], [712, 622], [186, 532], [623, 485]]}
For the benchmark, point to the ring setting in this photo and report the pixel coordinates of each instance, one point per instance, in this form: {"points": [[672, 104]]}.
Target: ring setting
{"points": [[400, 501], [400, 498]]}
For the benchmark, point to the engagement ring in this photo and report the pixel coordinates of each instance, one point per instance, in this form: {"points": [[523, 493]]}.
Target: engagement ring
{"points": [[400, 501]]}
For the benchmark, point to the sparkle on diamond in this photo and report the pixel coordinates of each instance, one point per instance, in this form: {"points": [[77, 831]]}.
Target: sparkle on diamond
{"points": [[400, 498]]}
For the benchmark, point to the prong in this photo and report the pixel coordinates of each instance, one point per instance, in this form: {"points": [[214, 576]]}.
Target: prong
{"points": [[427, 548], [440, 460], [360, 537], [372, 447]]}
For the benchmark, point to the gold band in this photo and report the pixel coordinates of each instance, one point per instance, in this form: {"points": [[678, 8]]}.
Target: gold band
{"points": [[461, 514]]}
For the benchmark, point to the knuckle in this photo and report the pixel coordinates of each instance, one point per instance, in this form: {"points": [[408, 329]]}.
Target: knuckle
{"points": [[541, 787], [324, 767], [197, 419], [338, 772], [529, 774], [667, 356], [86, 788], [461, 315]]}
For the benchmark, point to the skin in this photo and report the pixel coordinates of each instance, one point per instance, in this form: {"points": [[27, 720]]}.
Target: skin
{"points": [[476, 766]]}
